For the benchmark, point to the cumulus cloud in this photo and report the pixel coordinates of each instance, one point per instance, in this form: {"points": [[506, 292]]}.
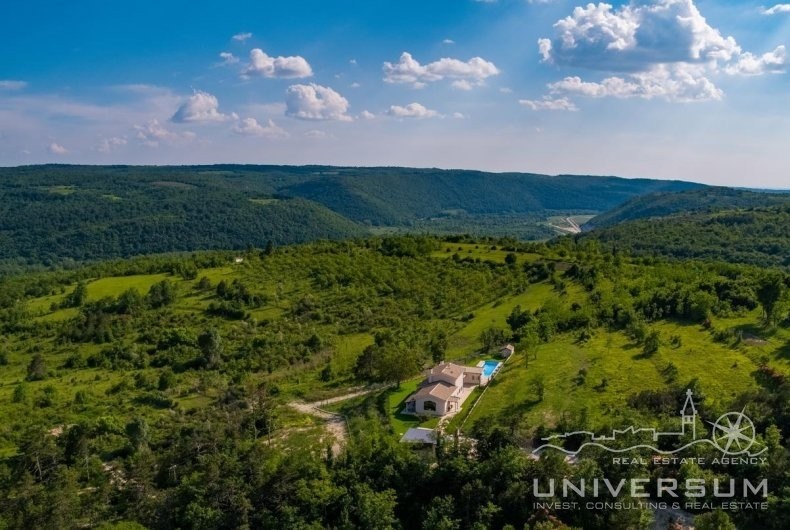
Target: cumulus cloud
{"points": [[251, 127], [228, 58], [200, 107], [57, 149], [315, 102], [465, 74], [770, 62], [315, 134], [367, 115], [10, 84], [241, 37], [661, 48], [682, 83], [448, 41], [108, 145], [549, 103], [152, 134], [263, 65], [775, 10], [603, 37], [412, 110]]}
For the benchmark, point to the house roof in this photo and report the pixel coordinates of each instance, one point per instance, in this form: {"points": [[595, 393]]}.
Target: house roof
{"points": [[439, 390], [453, 370], [473, 369], [508, 347], [419, 435]]}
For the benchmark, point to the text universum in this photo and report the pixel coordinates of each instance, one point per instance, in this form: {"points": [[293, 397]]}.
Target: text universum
{"points": [[664, 487]]}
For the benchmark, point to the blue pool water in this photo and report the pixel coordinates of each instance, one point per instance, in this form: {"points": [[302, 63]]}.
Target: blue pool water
{"points": [[489, 367]]}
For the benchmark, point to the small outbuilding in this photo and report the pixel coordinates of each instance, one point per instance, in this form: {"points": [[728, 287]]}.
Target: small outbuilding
{"points": [[506, 351], [419, 435]]}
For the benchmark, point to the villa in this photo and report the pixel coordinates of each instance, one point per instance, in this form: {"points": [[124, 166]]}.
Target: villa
{"points": [[447, 387]]}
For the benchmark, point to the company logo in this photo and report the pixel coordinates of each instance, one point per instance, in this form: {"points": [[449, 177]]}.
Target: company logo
{"points": [[732, 433]]}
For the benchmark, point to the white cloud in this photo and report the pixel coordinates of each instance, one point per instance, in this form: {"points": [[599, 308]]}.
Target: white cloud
{"points": [[354, 85], [251, 127], [263, 65], [412, 110], [465, 73], [315, 134], [458, 115], [228, 58], [200, 107], [506, 90], [634, 35], [352, 62], [367, 115], [681, 83], [152, 134], [241, 37], [769, 62], [549, 103], [10, 84], [448, 41], [315, 102], [108, 145], [775, 10], [57, 149], [664, 49]]}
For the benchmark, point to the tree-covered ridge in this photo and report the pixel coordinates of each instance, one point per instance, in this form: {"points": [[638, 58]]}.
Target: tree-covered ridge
{"points": [[758, 236], [155, 390], [53, 214], [706, 200]]}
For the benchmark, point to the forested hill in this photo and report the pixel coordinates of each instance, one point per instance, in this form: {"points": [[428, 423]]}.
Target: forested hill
{"points": [[385, 196], [759, 236], [53, 213], [707, 199]]}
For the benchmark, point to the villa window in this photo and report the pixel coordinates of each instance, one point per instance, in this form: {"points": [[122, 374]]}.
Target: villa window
{"points": [[429, 405]]}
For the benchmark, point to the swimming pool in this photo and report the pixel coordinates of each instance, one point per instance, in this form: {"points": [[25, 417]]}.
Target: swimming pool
{"points": [[489, 367]]}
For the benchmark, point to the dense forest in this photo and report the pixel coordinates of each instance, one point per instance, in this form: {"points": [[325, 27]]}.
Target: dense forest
{"points": [[57, 215], [706, 200], [158, 392], [757, 235]]}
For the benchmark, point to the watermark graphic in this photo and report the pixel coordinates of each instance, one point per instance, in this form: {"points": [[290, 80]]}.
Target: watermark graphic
{"points": [[732, 433]]}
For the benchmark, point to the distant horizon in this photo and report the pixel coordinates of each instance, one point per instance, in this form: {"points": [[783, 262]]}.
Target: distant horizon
{"points": [[422, 168]]}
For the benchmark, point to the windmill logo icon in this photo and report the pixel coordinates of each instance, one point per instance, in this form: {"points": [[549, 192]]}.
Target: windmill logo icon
{"points": [[733, 433]]}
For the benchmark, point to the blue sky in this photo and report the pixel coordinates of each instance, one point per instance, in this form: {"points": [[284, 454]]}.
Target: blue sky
{"points": [[659, 88]]}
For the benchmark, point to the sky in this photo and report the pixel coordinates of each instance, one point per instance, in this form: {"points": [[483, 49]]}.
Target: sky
{"points": [[693, 90]]}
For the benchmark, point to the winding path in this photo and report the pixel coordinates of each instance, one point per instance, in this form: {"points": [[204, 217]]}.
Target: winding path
{"points": [[335, 423]]}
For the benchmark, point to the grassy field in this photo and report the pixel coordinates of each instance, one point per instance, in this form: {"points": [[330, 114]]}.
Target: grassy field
{"points": [[465, 342], [723, 372], [483, 252]]}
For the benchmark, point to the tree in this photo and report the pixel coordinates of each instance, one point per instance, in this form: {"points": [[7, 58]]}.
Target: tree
{"points": [[37, 368], [77, 297], [161, 294], [511, 258], [269, 250], [518, 318], [137, 433], [438, 346], [538, 385], [769, 292], [652, 343], [491, 338], [716, 520], [210, 344], [130, 302], [375, 510]]}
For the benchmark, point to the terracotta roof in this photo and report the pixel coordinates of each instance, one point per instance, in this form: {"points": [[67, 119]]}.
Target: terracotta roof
{"points": [[453, 370], [439, 390]]}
